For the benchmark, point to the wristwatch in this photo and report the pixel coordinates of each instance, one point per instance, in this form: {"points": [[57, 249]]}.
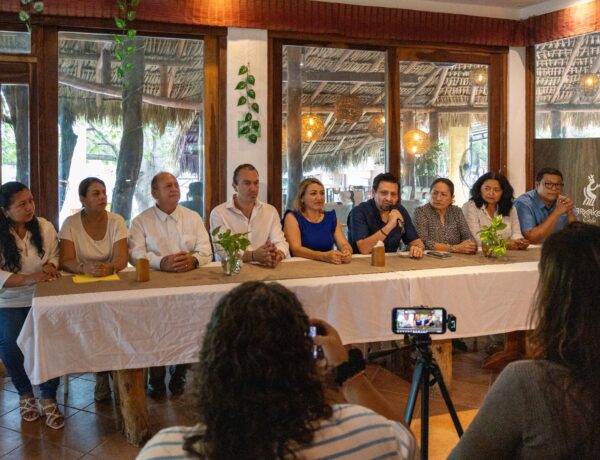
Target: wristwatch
{"points": [[354, 365]]}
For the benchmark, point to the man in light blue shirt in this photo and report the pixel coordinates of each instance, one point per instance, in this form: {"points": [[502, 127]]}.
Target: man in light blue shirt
{"points": [[544, 210]]}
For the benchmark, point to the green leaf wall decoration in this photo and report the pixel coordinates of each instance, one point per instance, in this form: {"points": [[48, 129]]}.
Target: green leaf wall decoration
{"points": [[27, 9], [122, 50], [248, 127]]}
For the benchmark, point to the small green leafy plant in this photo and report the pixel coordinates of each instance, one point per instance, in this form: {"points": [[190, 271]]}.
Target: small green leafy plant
{"points": [[492, 243], [233, 244], [248, 127], [124, 46], [28, 7]]}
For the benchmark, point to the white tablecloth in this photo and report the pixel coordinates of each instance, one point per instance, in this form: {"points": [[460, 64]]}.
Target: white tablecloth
{"points": [[66, 334]]}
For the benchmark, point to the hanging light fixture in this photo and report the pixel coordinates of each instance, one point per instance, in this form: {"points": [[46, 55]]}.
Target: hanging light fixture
{"points": [[348, 108], [376, 126], [283, 139], [416, 142], [479, 76], [589, 83], [312, 128]]}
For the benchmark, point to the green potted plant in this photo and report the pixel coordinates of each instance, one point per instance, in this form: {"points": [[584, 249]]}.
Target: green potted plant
{"points": [[492, 243], [233, 246]]}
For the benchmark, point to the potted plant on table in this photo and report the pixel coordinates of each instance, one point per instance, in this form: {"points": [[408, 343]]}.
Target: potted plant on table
{"points": [[233, 246], [492, 243]]}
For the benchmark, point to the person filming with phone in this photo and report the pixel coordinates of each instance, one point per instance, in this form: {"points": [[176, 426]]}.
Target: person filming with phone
{"points": [[259, 393]]}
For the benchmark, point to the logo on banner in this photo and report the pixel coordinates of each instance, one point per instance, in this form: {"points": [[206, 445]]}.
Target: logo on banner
{"points": [[588, 191], [589, 213]]}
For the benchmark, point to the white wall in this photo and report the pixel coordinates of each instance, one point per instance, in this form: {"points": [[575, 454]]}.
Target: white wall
{"points": [[247, 46], [250, 45], [516, 120]]}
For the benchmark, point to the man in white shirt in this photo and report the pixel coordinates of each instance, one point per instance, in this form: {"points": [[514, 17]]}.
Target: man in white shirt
{"points": [[245, 213], [173, 239]]}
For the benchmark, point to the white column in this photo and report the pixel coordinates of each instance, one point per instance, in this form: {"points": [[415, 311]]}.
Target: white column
{"points": [[247, 46], [516, 120]]}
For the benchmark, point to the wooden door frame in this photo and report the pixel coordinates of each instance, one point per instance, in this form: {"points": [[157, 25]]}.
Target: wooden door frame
{"points": [[495, 57]]}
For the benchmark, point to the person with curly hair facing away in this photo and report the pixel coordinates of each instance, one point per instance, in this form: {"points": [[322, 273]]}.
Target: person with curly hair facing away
{"points": [[29, 255], [259, 393], [547, 408], [491, 196]]}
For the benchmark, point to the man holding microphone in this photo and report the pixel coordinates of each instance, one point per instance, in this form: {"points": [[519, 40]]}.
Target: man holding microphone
{"points": [[383, 218]]}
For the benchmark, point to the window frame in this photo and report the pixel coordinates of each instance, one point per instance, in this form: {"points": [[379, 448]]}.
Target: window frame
{"points": [[496, 57], [43, 94]]}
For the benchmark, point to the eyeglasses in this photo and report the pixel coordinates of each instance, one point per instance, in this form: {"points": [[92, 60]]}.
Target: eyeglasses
{"points": [[553, 185]]}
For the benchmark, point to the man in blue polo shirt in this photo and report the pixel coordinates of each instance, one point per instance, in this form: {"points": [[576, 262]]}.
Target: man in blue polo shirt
{"points": [[383, 218], [544, 210]]}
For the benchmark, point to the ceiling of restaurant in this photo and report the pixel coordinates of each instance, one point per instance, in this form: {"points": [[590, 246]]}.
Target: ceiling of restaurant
{"points": [[506, 9], [504, 3]]}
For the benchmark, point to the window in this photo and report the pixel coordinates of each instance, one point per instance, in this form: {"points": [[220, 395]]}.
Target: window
{"points": [[567, 87], [567, 117], [333, 122], [15, 42], [14, 134], [444, 127], [125, 135]]}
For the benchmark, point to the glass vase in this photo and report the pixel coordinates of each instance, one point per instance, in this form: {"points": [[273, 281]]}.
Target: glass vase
{"points": [[231, 263]]}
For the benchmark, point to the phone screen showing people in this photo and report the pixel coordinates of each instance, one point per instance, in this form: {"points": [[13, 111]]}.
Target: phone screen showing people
{"points": [[317, 351], [418, 320]]}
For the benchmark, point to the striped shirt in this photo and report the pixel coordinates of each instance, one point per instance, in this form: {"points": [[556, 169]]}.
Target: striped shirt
{"points": [[352, 433]]}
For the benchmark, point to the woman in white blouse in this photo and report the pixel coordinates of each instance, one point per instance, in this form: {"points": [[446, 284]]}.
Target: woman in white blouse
{"points": [[93, 242], [492, 195], [28, 255]]}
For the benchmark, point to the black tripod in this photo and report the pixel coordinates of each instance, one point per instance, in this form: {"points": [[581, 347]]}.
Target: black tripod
{"points": [[425, 366]]}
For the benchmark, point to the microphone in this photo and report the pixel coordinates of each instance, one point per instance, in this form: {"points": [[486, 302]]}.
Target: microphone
{"points": [[400, 225]]}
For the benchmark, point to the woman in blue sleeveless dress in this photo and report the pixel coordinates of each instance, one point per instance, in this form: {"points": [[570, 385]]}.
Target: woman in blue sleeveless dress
{"points": [[313, 232]]}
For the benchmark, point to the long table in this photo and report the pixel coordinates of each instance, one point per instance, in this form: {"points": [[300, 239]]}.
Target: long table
{"points": [[125, 325]]}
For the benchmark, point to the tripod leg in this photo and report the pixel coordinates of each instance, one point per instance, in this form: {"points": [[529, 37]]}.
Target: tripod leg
{"points": [[425, 413], [437, 373], [414, 392]]}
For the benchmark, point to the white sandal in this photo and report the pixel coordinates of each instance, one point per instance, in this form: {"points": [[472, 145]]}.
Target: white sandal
{"points": [[29, 409], [54, 419]]}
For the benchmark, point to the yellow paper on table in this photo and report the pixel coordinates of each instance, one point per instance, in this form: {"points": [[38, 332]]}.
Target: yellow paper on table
{"points": [[92, 279]]}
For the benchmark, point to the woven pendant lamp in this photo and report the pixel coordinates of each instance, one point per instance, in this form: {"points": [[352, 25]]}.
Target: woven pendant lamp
{"points": [[589, 83], [348, 108], [376, 126], [416, 142], [479, 76], [312, 128]]}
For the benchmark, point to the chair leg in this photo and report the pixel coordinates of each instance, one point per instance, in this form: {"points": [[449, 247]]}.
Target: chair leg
{"points": [[66, 385]]}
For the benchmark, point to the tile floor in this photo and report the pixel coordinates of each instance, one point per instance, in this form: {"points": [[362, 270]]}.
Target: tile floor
{"points": [[91, 432]]}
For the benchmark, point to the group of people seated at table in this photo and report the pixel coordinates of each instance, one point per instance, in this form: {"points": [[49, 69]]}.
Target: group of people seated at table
{"points": [[173, 238]]}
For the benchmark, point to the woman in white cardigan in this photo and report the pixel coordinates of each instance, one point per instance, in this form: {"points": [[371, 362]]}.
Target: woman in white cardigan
{"points": [[29, 255], [492, 195]]}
